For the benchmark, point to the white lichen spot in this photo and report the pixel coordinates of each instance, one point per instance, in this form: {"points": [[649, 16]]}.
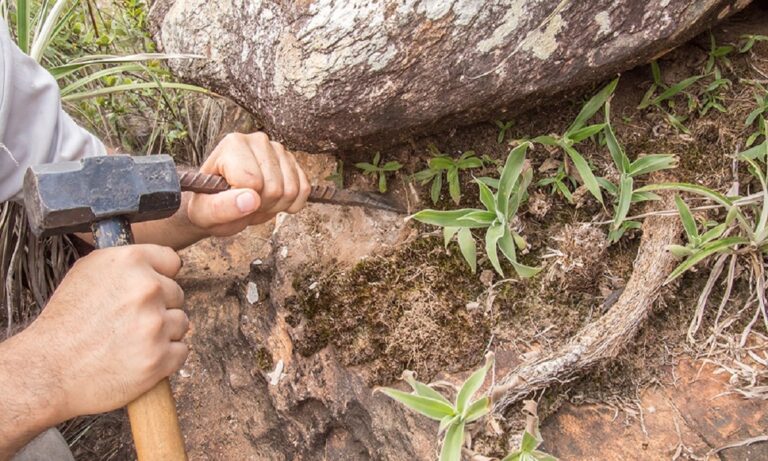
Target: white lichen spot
{"points": [[434, 9], [245, 52], [508, 24], [542, 43], [378, 61], [603, 20], [465, 11], [664, 3]]}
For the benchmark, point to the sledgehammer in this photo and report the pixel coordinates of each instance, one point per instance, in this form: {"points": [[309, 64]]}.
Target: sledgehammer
{"points": [[105, 195]]}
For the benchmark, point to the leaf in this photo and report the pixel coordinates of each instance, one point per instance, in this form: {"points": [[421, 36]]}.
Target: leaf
{"points": [[391, 166], [424, 390], [73, 65], [650, 163], [760, 151], [472, 385], [679, 251], [586, 132], [529, 442], [618, 155], [382, 182], [492, 236], [448, 234], [692, 188], [644, 196], [592, 106], [507, 245], [445, 218], [79, 83], [22, 24], [486, 196], [45, 32], [377, 158], [441, 163], [546, 140], [468, 248], [469, 163], [437, 186], [509, 175], [673, 90], [713, 233], [74, 97], [447, 422], [452, 443], [607, 185], [625, 200], [706, 251], [585, 172], [454, 189], [525, 271], [478, 409], [486, 218], [431, 408], [689, 224], [656, 73]]}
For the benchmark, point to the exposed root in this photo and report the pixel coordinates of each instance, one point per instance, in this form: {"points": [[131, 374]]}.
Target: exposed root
{"points": [[607, 336]]}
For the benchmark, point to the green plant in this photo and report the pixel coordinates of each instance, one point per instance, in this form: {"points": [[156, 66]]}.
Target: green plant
{"points": [[717, 56], [629, 171], [375, 170], [503, 128], [337, 177], [500, 208], [750, 40], [528, 449], [577, 132], [667, 97], [453, 416], [439, 165], [561, 182], [758, 115]]}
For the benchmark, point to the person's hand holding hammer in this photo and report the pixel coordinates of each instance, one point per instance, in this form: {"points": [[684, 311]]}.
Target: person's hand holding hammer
{"points": [[114, 327]]}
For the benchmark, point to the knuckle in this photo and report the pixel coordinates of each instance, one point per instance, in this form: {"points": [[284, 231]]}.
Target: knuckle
{"points": [[259, 137], [290, 192], [273, 191], [233, 138], [278, 147]]}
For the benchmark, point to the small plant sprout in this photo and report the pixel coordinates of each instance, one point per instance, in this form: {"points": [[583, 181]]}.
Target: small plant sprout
{"points": [[500, 209], [439, 165], [503, 128], [531, 438], [758, 115], [579, 131], [749, 41], [667, 97], [624, 194], [560, 183], [453, 416], [718, 55], [375, 170]]}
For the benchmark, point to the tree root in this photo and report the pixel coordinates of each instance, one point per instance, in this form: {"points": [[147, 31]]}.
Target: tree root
{"points": [[606, 337]]}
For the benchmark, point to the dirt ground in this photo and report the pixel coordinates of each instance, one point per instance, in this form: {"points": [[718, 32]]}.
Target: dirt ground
{"points": [[350, 298]]}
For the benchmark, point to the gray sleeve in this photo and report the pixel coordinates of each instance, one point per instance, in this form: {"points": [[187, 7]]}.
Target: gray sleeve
{"points": [[34, 128]]}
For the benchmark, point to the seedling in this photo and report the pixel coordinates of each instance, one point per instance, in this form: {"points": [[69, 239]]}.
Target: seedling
{"points": [[379, 171], [624, 194], [561, 182], [667, 97], [503, 128], [718, 55], [758, 115], [453, 416], [440, 165], [500, 209], [750, 40], [579, 131]]}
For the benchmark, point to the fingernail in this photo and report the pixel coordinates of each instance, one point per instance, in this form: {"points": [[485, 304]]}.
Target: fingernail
{"points": [[246, 202]]}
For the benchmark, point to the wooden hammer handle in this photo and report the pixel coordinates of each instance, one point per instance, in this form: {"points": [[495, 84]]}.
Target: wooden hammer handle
{"points": [[154, 422], [155, 425]]}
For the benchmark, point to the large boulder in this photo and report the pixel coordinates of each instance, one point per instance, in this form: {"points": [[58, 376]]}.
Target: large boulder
{"points": [[335, 74]]}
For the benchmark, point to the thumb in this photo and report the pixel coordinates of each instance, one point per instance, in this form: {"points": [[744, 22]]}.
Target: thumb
{"points": [[208, 210]]}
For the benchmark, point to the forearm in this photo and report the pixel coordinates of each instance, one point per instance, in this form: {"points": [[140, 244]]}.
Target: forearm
{"points": [[176, 232], [28, 394]]}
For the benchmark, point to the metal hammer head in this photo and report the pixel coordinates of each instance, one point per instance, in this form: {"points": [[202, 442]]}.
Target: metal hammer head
{"points": [[68, 196]]}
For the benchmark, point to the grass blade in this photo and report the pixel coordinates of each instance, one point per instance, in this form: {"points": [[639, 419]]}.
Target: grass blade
{"points": [[674, 90], [437, 186], [486, 197], [510, 174], [41, 40], [454, 189], [618, 155], [592, 106], [79, 83], [133, 87], [22, 24], [625, 200], [444, 218], [650, 163], [586, 132], [689, 224], [468, 248], [448, 234], [706, 251], [424, 390], [585, 172], [478, 409], [492, 236]]}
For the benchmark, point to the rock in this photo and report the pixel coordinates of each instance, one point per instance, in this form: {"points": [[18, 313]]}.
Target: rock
{"points": [[331, 74]]}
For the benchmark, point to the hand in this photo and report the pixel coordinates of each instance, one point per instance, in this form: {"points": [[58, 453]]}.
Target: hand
{"points": [[112, 329], [265, 180]]}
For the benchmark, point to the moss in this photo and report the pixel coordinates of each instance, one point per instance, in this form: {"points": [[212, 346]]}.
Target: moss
{"points": [[264, 359]]}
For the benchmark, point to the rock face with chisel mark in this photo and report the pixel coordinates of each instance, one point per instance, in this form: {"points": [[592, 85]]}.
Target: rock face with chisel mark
{"points": [[324, 75]]}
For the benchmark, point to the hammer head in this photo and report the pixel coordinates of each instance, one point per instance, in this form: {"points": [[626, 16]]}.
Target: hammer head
{"points": [[67, 197]]}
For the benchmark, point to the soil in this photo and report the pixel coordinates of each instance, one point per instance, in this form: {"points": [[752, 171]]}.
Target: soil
{"points": [[369, 296]]}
